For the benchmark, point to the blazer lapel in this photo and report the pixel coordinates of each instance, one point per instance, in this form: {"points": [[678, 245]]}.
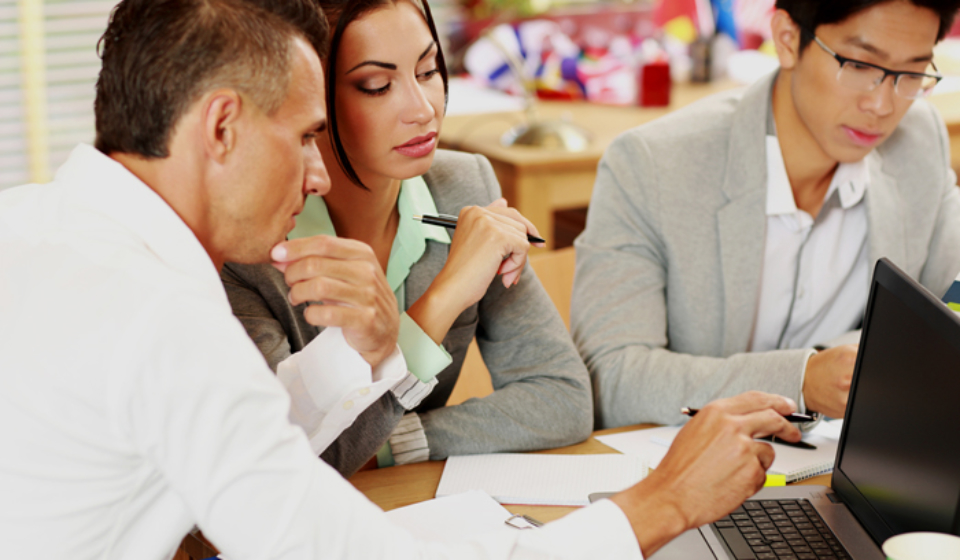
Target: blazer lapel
{"points": [[742, 221], [886, 224]]}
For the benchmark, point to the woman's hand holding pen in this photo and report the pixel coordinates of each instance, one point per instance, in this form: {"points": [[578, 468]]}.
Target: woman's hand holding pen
{"points": [[488, 241]]}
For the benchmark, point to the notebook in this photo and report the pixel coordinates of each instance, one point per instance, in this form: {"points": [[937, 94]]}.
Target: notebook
{"points": [[796, 464], [547, 480]]}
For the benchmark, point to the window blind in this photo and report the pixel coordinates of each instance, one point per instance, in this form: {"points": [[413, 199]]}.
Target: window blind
{"points": [[48, 72]]}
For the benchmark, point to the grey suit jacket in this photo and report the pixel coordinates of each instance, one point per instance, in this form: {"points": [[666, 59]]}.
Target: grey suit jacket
{"points": [[668, 269], [541, 395]]}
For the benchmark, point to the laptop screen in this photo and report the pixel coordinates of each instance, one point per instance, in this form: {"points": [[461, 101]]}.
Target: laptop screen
{"points": [[898, 467]]}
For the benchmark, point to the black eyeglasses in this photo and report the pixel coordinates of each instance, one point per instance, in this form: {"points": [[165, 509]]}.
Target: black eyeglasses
{"points": [[863, 76]]}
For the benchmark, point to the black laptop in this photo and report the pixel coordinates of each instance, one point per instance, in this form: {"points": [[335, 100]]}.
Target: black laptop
{"points": [[898, 461]]}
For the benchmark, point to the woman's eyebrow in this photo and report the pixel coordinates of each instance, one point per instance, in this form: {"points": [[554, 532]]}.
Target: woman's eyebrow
{"points": [[388, 65], [376, 63], [427, 51]]}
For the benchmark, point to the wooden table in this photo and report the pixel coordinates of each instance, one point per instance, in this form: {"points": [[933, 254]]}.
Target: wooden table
{"points": [[409, 484], [540, 181], [404, 485]]}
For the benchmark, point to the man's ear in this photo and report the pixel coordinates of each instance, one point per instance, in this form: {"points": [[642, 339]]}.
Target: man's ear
{"points": [[786, 39], [222, 111]]}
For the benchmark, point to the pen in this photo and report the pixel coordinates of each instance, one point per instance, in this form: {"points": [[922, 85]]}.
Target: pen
{"points": [[795, 417], [450, 222]]}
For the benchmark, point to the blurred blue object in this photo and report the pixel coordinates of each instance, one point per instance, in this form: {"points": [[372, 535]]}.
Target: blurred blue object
{"points": [[726, 23]]}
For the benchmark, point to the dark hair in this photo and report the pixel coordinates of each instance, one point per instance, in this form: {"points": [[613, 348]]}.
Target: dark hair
{"points": [[160, 56], [340, 13], [811, 14]]}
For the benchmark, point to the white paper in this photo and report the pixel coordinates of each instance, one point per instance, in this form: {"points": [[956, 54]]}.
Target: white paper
{"points": [[460, 517], [797, 464], [551, 480]]}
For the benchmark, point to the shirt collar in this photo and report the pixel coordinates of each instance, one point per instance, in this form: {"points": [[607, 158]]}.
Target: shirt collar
{"points": [[850, 180], [106, 186], [410, 243]]}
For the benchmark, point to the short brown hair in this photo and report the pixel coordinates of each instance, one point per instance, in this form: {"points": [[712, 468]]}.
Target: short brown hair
{"points": [[160, 56]]}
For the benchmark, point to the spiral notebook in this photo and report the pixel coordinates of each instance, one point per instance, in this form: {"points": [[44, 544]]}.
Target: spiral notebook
{"points": [[795, 463]]}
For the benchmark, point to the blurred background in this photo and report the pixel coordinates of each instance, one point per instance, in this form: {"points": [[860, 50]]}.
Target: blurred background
{"points": [[506, 54]]}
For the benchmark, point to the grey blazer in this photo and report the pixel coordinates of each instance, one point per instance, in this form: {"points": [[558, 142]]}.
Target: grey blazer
{"points": [[668, 269], [541, 395]]}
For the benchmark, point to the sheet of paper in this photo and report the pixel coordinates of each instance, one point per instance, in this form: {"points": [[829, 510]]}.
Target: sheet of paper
{"points": [[550, 480], [652, 445], [454, 518]]}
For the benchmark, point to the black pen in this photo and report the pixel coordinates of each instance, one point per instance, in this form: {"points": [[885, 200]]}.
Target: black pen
{"points": [[450, 222], [796, 417]]}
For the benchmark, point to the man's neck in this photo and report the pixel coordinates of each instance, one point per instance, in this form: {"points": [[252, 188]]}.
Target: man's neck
{"points": [[809, 169], [178, 186]]}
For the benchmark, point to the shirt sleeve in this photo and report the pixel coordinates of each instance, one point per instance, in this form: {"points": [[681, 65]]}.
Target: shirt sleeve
{"points": [[210, 419], [330, 385], [425, 358]]}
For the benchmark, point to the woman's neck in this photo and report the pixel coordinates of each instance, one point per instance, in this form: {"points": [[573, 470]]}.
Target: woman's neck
{"points": [[369, 215]]}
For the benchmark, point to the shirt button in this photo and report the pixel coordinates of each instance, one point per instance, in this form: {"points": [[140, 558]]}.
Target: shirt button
{"points": [[348, 405], [365, 391]]}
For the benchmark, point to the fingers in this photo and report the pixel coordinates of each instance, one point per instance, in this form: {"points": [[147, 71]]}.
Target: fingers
{"points": [[753, 401], [765, 454], [332, 290], [768, 422], [516, 216], [321, 246], [352, 271]]}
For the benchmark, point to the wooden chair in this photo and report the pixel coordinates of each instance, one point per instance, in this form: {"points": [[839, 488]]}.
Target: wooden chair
{"points": [[555, 271]]}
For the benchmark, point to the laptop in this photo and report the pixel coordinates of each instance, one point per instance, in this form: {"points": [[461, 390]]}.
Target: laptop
{"points": [[898, 460]]}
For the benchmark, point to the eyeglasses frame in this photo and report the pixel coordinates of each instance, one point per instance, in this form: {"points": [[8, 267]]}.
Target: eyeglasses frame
{"points": [[842, 60]]}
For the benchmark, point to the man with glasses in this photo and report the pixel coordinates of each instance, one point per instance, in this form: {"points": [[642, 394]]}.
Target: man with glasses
{"points": [[730, 241]]}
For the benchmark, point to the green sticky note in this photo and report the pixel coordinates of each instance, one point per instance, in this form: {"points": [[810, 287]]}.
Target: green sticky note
{"points": [[954, 306], [776, 480]]}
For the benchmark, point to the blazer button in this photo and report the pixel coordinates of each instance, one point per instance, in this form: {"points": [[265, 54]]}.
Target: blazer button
{"points": [[348, 405]]}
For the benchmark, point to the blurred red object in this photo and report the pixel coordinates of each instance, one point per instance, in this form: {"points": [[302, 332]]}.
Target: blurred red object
{"points": [[654, 90]]}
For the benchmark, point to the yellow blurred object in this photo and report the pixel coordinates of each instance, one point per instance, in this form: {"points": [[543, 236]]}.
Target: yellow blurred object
{"points": [[768, 48], [35, 88], [776, 480], [682, 29]]}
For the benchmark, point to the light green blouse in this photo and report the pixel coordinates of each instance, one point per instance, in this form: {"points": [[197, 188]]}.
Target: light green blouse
{"points": [[425, 358]]}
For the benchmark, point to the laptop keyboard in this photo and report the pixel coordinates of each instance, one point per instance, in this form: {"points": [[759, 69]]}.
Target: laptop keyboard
{"points": [[779, 530]]}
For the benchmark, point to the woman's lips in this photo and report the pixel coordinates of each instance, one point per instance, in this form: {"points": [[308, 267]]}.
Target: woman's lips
{"points": [[420, 146], [862, 138]]}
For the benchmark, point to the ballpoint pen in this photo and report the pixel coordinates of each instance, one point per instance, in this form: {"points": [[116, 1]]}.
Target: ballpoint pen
{"points": [[450, 222], [795, 417]]}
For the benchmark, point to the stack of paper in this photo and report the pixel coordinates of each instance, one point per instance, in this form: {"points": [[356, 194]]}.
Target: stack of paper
{"points": [[550, 480]]}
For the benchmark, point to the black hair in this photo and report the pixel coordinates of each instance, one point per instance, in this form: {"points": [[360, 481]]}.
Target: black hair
{"points": [[810, 14], [340, 14]]}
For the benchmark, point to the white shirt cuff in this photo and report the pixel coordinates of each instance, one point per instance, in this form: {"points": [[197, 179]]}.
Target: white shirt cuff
{"points": [[600, 530], [330, 384]]}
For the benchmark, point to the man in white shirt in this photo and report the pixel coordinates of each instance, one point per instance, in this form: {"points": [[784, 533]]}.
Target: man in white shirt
{"points": [[729, 240], [133, 405]]}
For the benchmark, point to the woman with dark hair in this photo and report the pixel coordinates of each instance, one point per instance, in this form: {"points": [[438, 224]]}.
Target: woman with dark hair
{"points": [[386, 96]]}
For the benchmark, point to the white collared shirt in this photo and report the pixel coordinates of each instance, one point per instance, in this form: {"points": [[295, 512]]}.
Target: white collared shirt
{"points": [[133, 405], [815, 272]]}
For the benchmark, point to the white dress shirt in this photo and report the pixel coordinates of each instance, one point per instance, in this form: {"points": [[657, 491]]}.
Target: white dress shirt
{"points": [[133, 405], [816, 273]]}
